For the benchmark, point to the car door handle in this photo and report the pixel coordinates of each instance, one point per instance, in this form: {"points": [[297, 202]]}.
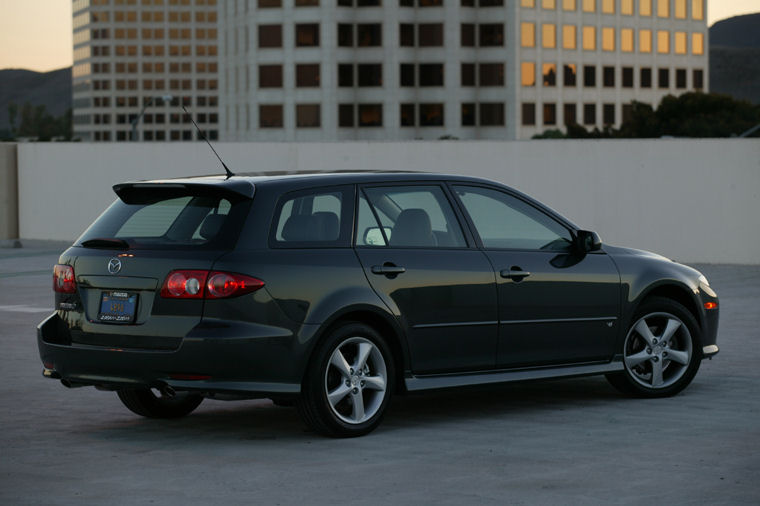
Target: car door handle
{"points": [[514, 273], [388, 269]]}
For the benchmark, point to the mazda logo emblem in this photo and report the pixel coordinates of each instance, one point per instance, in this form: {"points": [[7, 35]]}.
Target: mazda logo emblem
{"points": [[114, 266]]}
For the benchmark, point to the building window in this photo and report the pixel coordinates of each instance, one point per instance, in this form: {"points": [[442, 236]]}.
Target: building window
{"points": [[407, 74], [528, 73], [568, 5], [697, 43], [345, 35], [550, 114], [346, 115], [431, 74], [407, 115], [370, 74], [307, 35], [589, 5], [549, 74], [663, 41], [492, 114], [270, 36], [645, 41], [491, 74], [269, 3], [608, 114], [548, 36], [430, 34], [468, 114], [589, 38], [646, 77], [627, 77], [679, 42], [568, 74], [627, 113], [608, 39], [270, 76], [528, 34], [307, 75], [663, 78], [697, 9], [608, 6], [698, 79], [626, 40], [529, 4], [679, 10], [467, 34], [370, 115], [626, 7], [270, 116], [663, 8], [569, 111], [645, 7], [368, 35], [307, 116], [491, 34], [431, 115], [345, 74], [468, 74], [307, 3], [568, 36], [608, 76], [406, 34], [548, 4], [680, 78], [528, 114], [589, 76], [589, 114]]}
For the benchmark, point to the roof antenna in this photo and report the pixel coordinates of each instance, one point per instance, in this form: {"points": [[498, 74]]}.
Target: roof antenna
{"points": [[203, 136]]}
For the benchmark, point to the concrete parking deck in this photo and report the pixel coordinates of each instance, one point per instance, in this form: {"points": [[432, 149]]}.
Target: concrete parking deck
{"points": [[556, 442]]}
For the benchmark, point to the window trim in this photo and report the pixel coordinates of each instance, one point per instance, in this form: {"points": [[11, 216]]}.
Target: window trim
{"points": [[443, 185], [549, 213], [344, 239]]}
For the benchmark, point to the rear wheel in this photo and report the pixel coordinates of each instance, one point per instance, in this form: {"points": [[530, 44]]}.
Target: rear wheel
{"points": [[154, 404], [348, 383], [661, 352]]}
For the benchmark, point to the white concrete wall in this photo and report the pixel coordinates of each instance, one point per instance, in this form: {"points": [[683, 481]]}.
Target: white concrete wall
{"points": [[691, 200]]}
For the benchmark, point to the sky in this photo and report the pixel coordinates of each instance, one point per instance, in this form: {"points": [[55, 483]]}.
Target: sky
{"points": [[36, 34]]}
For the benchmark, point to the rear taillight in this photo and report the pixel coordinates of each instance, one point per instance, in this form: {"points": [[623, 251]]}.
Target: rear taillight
{"points": [[63, 279], [196, 284]]}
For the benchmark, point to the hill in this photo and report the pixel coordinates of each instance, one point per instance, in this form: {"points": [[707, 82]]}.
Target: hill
{"points": [[51, 89], [735, 57]]}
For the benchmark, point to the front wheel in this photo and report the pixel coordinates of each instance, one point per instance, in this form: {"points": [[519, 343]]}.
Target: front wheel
{"points": [[144, 402], [348, 383], [661, 352]]}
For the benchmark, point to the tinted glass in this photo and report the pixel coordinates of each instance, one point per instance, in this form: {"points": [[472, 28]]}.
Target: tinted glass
{"points": [[170, 220], [505, 222], [310, 219], [415, 217]]}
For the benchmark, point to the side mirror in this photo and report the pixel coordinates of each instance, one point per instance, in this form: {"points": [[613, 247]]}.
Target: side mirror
{"points": [[587, 241], [374, 237]]}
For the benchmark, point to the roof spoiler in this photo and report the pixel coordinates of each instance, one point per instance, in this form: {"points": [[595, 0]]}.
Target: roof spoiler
{"points": [[140, 192]]}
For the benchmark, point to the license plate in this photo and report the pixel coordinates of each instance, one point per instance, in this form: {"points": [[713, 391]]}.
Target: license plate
{"points": [[117, 307]]}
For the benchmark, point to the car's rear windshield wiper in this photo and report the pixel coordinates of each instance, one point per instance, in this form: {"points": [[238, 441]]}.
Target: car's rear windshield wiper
{"points": [[106, 243]]}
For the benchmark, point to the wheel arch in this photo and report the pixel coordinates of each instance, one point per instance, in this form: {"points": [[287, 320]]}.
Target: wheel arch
{"points": [[383, 322], [675, 291]]}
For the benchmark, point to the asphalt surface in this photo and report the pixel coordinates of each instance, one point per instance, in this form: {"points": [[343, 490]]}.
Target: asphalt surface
{"points": [[553, 442]]}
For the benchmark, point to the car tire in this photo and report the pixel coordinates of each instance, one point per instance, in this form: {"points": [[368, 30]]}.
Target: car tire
{"points": [[662, 350], [348, 382], [144, 402]]}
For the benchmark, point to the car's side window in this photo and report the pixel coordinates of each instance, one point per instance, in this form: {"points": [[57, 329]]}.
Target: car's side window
{"points": [[506, 222], [410, 217], [311, 218]]}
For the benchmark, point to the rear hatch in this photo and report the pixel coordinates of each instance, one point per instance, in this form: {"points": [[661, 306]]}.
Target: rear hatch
{"points": [[123, 261]]}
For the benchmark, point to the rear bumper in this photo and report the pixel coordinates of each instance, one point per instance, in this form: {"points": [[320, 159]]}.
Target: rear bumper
{"points": [[215, 357]]}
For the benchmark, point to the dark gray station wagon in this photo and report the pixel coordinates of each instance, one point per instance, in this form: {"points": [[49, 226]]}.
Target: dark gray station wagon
{"points": [[332, 291]]}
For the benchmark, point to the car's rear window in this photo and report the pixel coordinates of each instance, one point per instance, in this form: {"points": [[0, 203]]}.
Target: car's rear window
{"points": [[171, 221]]}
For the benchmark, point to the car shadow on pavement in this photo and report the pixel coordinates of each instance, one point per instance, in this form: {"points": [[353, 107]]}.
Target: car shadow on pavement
{"points": [[261, 420]]}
